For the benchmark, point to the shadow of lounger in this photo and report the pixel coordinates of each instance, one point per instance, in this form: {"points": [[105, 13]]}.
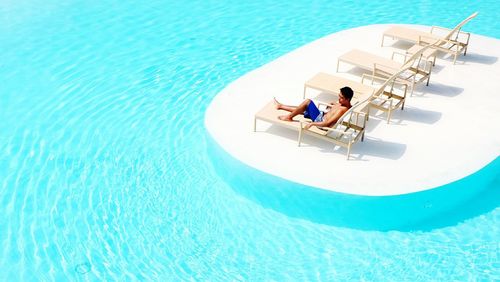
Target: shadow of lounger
{"points": [[481, 59], [418, 115], [444, 90], [379, 148]]}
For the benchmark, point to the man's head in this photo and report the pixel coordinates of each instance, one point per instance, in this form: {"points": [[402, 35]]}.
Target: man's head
{"points": [[345, 96]]}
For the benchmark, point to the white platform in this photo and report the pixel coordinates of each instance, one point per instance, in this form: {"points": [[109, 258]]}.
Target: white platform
{"points": [[448, 130]]}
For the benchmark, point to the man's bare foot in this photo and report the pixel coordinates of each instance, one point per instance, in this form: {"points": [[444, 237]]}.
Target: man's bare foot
{"points": [[277, 104], [285, 118]]}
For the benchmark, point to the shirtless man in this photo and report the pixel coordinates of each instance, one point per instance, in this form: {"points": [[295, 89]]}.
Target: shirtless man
{"points": [[311, 111]]}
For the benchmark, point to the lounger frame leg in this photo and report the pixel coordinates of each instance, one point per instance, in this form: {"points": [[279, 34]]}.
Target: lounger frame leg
{"points": [[389, 113], [404, 98], [300, 135], [457, 52], [466, 43], [412, 86]]}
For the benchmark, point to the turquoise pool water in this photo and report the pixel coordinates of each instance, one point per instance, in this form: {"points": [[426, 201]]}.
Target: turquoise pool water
{"points": [[107, 172]]}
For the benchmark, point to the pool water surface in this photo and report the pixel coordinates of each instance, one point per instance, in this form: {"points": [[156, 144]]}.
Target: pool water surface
{"points": [[107, 171]]}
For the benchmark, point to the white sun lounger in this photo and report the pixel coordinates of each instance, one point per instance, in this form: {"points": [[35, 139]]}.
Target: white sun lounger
{"points": [[418, 70], [453, 41], [345, 132]]}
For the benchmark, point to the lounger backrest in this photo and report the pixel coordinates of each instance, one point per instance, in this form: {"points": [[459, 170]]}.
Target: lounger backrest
{"points": [[406, 66], [459, 26], [416, 58]]}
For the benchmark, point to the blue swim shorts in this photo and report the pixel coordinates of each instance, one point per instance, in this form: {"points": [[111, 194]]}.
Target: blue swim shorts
{"points": [[312, 112]]}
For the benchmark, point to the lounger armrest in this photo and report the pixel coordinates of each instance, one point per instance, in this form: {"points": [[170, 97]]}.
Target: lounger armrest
{"points": [[449, 46], [467, 37], [357, 119], [329, 129], [456, 42], [382, 80], [387, 100], [440, 28], [372, 78], [460, 34]]}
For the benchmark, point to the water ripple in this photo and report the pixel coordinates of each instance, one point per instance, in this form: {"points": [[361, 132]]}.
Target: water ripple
{"points": [[104, 170]]}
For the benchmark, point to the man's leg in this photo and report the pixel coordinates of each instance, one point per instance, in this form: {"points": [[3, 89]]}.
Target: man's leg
{"points": [[280, 106], [293, 110]]}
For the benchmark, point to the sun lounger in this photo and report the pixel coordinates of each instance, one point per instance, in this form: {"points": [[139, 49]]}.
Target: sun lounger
{"points": [[345, 132], [453, 41], [418, 71]]}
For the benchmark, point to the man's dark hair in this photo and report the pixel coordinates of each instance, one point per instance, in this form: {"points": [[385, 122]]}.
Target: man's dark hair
{"points": [[347, 92]]}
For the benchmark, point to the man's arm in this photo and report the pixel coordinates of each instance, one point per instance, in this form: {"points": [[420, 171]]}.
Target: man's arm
{"points": [[328, 105]]}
